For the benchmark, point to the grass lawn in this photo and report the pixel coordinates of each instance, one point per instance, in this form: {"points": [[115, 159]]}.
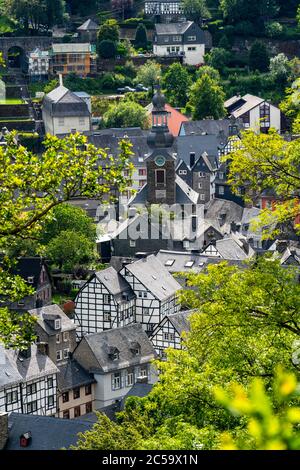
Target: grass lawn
{"points": [[12, 101]]}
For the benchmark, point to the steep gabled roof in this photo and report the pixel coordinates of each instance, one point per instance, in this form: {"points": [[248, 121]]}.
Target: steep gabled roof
{"points": [[155, 277], [73, 375], [114, 282], [173, 28], [120, 339], [41, 314], [88, 25]]}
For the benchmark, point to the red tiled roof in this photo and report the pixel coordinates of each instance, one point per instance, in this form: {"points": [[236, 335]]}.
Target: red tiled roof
{"points": [[175, 118]]}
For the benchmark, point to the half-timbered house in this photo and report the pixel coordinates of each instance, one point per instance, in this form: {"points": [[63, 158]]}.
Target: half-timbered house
{"points": [[155, 289], [27, 382], [168, 333], [105, 301]]}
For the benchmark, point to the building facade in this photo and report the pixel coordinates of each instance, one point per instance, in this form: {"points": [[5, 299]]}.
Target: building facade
{"points": [[117, 358], [168, 333], [77, 58], [28, 382], [184, 39], [164, 11], [38, 64]]}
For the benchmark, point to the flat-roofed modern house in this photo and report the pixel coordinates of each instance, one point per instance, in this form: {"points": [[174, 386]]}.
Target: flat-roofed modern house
{"points": [[183, 40], [255, 112], [117, 358], [65, 112], [77, 58]]}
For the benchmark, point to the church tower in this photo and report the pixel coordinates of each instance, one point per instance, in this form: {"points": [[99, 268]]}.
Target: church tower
{"points": [[161, 161]]}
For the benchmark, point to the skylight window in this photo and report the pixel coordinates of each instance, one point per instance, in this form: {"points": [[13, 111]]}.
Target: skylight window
{"points": [[189, 264], [170, 262]]}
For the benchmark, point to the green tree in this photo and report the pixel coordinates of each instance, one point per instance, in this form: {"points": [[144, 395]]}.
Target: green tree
{"points": [[259, 57], [109, 31], [67, 217], [207, 99], [268, 162], [70, 249], [149, 74], [141, 41], [126, 114], [196, 10], [31, 186], [210, 71], [239, 10], [279, 68], [218, 58], [176, 83], [107, 49], [228, 341], [37, 13], [291, 104]]}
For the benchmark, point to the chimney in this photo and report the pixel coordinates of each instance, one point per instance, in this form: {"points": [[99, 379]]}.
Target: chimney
{"points": [[192, 159], [42, 348], [60, 77], [3, 429]]}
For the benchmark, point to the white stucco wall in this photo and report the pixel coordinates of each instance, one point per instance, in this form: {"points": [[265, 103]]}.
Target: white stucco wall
{"points": [[191, 57], [56, 126]]}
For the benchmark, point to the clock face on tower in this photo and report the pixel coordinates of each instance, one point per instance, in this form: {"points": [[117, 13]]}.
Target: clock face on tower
{"points": [[160, 160]]}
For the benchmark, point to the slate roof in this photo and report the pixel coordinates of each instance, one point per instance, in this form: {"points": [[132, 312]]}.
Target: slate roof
{"points": [[63, 102], [115, 283], [172, 28], [180, 321], [48, 433], [291, 252], [100, 345], [208, 126], [184, 193], [29, 267], [66, 323], [88, 25], [14, 368], [230, 249], [72, 375], [9, 373], [139, 389], [223, 212], [180, 259], [199, 144], [155, 277]]}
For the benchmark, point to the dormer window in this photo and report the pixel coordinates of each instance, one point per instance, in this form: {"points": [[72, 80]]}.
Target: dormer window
{"points": [[113, 353], [57, 324], [30, 279], [135, 348]]}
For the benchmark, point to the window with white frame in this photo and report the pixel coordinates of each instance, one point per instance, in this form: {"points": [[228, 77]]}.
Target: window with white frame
{"points": [[30, 279], [202, 197], [129, 378], [106, 298], [11, 397], [31, 389], [201, 174], [50, 402], [107, 316], [116, 381], [32, 407], [199, 185], [66, 336], [169, 336], [182, 172], [57, 324], [221, 189], [66, 353], [58, 338], [191, 38], [50, 382], [61, 121], [144, 372], [82, 121], [132, 243], [59, 355]]}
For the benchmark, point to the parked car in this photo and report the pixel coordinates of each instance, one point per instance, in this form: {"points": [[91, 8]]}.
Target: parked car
{"points": [[141, 87]]}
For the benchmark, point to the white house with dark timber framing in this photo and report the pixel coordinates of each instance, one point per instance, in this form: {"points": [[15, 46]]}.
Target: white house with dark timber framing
{"points": [[155, 289], [27, 382], [105, 301], [168, 333]]}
